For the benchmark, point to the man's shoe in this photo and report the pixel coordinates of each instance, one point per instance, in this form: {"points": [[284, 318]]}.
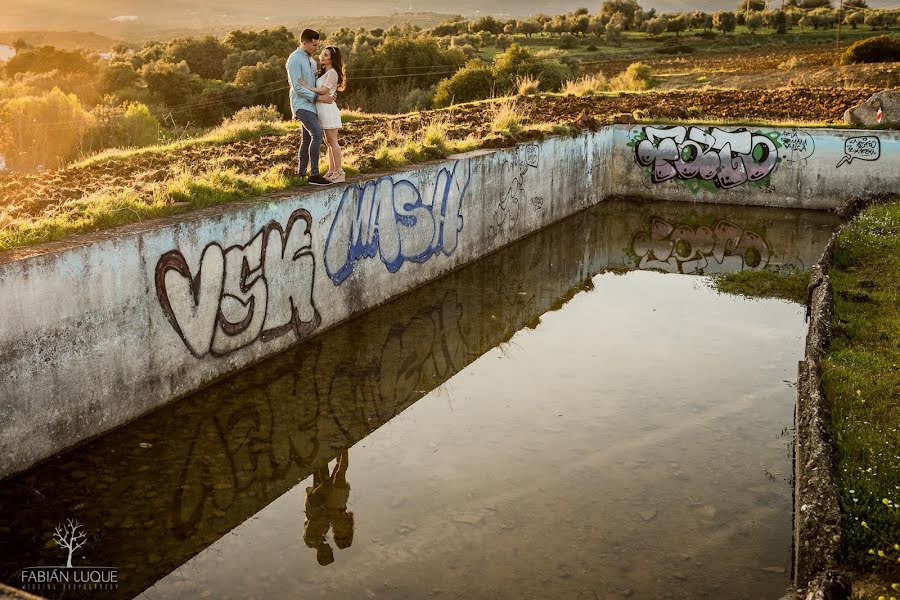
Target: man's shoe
{"points": [[318, 180]]}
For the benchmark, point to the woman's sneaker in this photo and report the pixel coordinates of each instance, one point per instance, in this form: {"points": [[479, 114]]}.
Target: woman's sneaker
{"points": [[338, 177], [319, 180]]}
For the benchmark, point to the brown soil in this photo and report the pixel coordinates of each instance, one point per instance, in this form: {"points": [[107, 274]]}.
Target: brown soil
{"points": [[32, 193]]}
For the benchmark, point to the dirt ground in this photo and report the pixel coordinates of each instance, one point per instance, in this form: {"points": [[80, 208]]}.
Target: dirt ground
{"points": [[32, 194]]}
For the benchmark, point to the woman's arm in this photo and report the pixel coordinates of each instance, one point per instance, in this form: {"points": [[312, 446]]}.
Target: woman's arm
{"points": [[318, 90]]}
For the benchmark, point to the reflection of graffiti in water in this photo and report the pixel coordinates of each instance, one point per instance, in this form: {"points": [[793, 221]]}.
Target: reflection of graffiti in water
{"points": [[722, 248], [336, 400], [697, 155]]}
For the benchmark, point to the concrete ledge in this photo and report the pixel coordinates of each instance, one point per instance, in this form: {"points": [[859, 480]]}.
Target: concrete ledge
{"points": [[101, 329], [817, 511]]}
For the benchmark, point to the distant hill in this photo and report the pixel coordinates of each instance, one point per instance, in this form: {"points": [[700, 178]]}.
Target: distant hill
{"points": [[137, 20], [68, 40]]}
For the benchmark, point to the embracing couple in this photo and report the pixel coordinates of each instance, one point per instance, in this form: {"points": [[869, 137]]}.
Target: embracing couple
{"points": [[313, 91]]}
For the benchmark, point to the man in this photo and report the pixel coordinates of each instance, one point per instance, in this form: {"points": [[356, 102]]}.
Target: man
{"points": [[301, 65]]}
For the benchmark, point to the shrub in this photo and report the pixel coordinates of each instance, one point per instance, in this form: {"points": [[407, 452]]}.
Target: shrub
{"points": [[877, 49], [547, 67], [43, 130], [473, 82], [637, 77], [505, 117], [567, 41], [255, 114], [417, 99], [526, 86], [792, 63], [587, 85]]}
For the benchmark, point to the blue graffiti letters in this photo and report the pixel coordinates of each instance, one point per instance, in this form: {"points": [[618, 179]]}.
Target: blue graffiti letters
{"points": [[390, 219]]}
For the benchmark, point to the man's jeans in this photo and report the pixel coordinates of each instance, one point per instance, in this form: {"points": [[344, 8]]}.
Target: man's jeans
{"points": [[312, 142]]}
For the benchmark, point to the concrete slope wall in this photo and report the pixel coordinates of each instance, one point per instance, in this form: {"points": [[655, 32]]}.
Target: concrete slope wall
{"points": [[109, 327]]}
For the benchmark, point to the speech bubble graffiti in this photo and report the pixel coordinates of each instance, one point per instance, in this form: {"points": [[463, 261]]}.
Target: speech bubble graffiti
{"points": [[866, 147]]}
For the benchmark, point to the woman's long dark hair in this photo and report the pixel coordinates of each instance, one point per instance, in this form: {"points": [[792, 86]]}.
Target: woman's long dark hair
{"points": [[337, 63]]}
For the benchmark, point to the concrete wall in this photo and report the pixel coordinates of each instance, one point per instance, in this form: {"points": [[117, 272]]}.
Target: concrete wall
{"points": [[100, 330]]}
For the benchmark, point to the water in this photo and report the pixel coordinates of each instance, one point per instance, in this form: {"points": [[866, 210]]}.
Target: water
{"points": [[540, 424]]}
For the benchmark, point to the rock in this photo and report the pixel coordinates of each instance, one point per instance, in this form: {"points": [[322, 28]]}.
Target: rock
{"points": [[866, 114], [648, 515]]}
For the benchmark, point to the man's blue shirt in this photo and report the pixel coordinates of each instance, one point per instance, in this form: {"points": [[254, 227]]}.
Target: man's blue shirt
{"points": [[300, 65]]}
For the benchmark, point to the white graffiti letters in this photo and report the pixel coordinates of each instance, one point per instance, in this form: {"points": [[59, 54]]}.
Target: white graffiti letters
{"points": [[726, 158], [261, 290], [391, 220], [683, 249]]}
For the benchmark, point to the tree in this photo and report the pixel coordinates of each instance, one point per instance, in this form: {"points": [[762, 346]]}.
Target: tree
{"points": [[655, 26], [70, 538], [279, 41], [627, 8], [677, 23], [855, 19], [755, 21], [777, 20], [487, 23], [857, 4], [725, 21], [20, 44], [614, 30], [580, 25], [204, 56], [48, 58], [529, 27]]}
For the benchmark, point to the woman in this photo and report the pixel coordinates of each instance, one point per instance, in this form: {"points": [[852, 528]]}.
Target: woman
{"points": [[331, 78]]}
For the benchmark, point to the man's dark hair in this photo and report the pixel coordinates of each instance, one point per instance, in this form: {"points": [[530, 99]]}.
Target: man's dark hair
{"points": [[309, 35]]}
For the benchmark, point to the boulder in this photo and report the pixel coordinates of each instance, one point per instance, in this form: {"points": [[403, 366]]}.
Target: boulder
{"points": [[866, 114]]}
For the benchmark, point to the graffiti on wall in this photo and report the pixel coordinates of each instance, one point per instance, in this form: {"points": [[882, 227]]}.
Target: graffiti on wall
{"points": [[513, 202], [797, 146], [721, 248], [706, 157], [865, 147], [238, 295], [397, 221]]}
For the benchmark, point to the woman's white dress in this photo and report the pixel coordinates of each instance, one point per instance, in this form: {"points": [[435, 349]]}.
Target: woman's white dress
{"points": [[329, 113]]}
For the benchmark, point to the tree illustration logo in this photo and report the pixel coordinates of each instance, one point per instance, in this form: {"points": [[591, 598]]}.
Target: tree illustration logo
{"points": [[70, 536]]}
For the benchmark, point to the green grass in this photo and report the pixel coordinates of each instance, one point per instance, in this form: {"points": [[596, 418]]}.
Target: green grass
{"points": [[224, 134], [187, 191], [430, 144], [862, 381], [764, 284]]}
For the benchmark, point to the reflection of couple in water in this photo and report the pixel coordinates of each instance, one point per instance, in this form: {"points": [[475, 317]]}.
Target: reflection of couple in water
{"points": [[326, 507]]}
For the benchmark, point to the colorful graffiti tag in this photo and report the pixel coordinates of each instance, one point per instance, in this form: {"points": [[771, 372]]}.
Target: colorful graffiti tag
{"points": [[261, 290], [722, 248], [725, 159], [391, 219]]}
